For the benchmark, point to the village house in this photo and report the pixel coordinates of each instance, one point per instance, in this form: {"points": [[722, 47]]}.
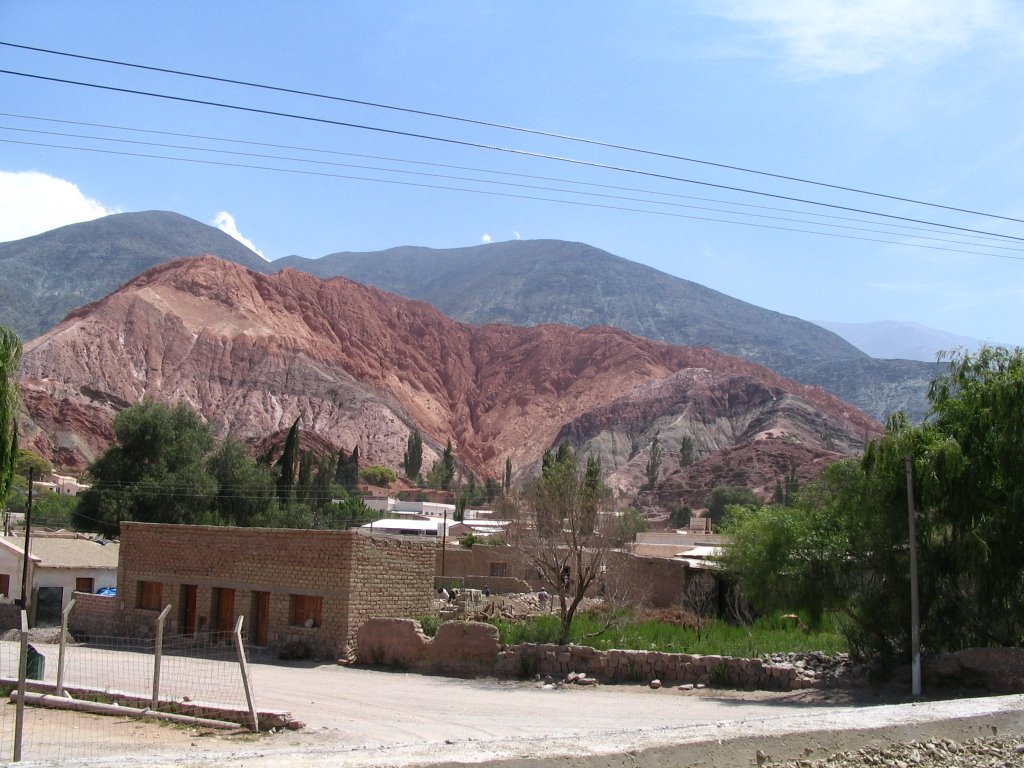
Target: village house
{"points": [[302, 591], [59, 565]]}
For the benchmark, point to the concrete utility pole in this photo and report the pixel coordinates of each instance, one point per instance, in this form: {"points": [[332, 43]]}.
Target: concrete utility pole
{"points": [[915, 620]]}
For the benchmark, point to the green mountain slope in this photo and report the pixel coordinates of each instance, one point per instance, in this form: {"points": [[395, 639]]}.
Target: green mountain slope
{"points": [[528, 282], [46, 276]]}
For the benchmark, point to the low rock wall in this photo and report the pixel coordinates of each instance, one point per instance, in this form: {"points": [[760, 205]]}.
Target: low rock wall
{"points": [[471, 649]]}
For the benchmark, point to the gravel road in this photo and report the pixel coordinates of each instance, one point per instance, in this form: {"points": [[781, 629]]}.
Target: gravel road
{"points": [[360, 717]]}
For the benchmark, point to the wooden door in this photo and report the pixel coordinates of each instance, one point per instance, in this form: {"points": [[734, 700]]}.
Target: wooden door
{"points": [[188, 604], [225, 610], [260, 617]]}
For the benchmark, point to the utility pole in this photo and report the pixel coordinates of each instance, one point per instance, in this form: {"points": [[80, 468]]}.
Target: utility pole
{"points": [[915, 620], [444, 540], [23, 603]]}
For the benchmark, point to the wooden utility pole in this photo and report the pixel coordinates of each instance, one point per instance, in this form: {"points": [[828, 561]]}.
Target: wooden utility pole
{"points": [[23, 603]]}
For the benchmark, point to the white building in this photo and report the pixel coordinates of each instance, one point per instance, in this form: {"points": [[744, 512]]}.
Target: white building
{"points": [[58, 566]]}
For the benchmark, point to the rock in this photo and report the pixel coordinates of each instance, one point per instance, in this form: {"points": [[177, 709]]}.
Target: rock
{"points": [[251, 352], [686, 687], [295, 725], [655, 684]]}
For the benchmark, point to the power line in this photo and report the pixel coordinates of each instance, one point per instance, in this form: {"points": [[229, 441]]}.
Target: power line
{"points": [[513, 196], [496, 148], [320, 150], [162, 145], [509, 127]]}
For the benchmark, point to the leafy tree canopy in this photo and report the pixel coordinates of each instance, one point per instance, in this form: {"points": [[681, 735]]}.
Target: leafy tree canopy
{"points": [[842, 545]]}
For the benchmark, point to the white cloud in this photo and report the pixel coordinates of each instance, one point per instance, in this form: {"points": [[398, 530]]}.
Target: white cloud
{"points": [[516, 235], [33, 203], [843, 37], [225, 222], [485, 238]]}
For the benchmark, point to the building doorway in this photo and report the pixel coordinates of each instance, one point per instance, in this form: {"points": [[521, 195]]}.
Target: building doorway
{"points": [[260, 618], [188, 609], [224, 609], [49, 601]]}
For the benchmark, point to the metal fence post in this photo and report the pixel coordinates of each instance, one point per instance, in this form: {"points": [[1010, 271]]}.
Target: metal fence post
{"points": [[158, 653], [243, 664], [19, 715], [63, 644]]}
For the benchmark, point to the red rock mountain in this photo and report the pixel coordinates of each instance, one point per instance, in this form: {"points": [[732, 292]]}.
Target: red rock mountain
{"points": [[253, 352]]}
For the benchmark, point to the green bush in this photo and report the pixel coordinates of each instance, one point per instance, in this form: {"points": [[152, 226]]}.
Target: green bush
{"points": [[378, 475]]}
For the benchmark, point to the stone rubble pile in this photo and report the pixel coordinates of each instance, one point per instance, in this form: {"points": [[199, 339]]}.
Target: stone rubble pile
{"points": [[819, 670], [940, 753]]}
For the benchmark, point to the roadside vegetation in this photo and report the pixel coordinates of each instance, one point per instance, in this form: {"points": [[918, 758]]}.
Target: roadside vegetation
{"points": [[671, 632]]}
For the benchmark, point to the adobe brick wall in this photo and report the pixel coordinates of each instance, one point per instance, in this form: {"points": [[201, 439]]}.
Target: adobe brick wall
{"points": [[474, 567], [391, 576], [95, 616], [650, 581], [355, 576]]}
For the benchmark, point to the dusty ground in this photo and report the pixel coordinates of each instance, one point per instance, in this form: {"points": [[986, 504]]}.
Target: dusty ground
{"points": [[362, 717]]}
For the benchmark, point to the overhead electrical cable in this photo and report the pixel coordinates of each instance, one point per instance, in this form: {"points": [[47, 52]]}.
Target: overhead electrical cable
{"points": [[508, 127], [496, 148], [427, 163], [492, 193], [263, 156]]}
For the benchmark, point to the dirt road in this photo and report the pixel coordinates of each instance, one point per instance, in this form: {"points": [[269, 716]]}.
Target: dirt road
{"points": [[361, 717]]}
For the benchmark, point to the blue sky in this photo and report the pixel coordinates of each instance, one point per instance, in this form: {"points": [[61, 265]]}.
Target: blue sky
{"points": [[920, 99]]}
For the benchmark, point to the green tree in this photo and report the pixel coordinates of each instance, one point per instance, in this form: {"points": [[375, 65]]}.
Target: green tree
{"points": [[378, 475], [29, 460], [288, 463], [10, 359], [654, 463], [628, 523], [557, 528], [53, 509], [447, 466], [725, 496], [246, 491], [155, 472], [506, 481], [413, 459], [685, 451], [843, 545]]}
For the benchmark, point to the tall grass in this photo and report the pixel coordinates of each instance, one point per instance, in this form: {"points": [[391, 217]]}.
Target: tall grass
{"points": [[767, 635]]}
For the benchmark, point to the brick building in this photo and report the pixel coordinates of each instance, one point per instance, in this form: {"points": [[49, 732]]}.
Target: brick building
{"points": [[293, 586]]}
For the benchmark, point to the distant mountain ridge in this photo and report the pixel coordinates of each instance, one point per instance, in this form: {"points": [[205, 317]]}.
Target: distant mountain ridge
{"points": [[46, 276], [526, 282], [519, 282], [253, 352], [892, 339]]}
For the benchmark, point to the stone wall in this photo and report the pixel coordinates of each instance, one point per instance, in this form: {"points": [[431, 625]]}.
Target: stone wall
{"points": [[471, 649]]}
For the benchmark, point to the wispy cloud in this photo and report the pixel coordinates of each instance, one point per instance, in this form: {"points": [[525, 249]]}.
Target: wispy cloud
{"points": [[225, 222], [516, 235], [849, 37], [33, 203], [485, 238]]}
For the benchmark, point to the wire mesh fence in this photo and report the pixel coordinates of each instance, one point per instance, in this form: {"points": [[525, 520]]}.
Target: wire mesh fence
{"points": [[81, 699]]}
